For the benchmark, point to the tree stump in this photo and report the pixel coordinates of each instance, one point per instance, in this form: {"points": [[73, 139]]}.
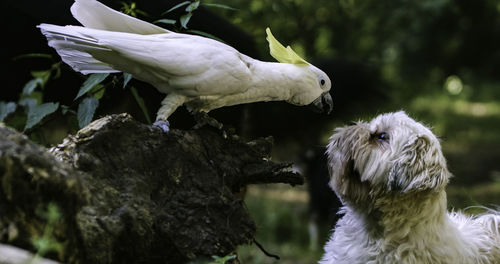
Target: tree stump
{"points": [[130, 193]]}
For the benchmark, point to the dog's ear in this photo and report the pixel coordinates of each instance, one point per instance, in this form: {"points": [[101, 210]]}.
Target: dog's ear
{"points": [[419, 166]]}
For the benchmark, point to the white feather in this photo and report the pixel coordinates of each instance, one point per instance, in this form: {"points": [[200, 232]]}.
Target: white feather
{"points": [[74, 49], [93, 14], [188, 64]]}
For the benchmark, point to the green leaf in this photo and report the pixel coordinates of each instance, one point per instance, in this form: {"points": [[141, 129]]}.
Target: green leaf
{"points": [[30, 86], [127, 9], [205, 34], [6, 109], [165, 21], [53, 213], [42, 244], [92, 81], [57, 68], [126, 78], [65, 109], [98, 91], [86, 111], [141, 103], [185, 19], [46, 243], [219, 6], [28, 103], [37, 95], [44, 76], [38, 112], [142, 13], [193, 6], [33, 55], [177, 6], [222, 260]]}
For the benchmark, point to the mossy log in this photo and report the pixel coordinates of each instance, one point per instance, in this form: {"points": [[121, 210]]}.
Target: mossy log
{"points": [[130, 193]]}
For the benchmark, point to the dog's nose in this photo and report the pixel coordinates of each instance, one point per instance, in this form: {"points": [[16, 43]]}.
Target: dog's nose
{"points": [[352, 123]]}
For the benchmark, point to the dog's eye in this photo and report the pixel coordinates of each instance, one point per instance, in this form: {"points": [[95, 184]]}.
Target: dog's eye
{"points": [[381, 136]]}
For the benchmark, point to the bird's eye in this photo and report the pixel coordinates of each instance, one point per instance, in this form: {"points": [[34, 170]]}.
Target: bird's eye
{"points": [[381, 136], [322, 82]]}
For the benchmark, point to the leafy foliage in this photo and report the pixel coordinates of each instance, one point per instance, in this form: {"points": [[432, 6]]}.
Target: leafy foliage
{"points": [[37, 112], [141, 103], [31, 99], [222, 260], [204, 34], [6, 109], [166, 21], [86, 110], [47, 242], [191, 6], [219, 6], [31, 85], [91, 82], [126, 78], [177, 6], [132, 10]]}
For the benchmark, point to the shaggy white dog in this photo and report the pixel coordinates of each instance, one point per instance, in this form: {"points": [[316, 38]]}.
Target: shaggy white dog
{"points": [[391, 175]]}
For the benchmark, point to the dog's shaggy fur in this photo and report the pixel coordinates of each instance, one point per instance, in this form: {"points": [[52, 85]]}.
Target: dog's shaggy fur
{"points": [[391, 175]]}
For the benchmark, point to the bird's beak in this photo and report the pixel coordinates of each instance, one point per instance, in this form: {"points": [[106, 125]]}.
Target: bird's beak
{"points": [[324, 103]]}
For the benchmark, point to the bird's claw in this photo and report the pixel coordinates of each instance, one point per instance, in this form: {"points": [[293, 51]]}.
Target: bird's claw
{"points": [[163, 125]]}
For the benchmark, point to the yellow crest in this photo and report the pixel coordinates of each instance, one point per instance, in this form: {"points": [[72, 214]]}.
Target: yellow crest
{"points": [[282, 54]]}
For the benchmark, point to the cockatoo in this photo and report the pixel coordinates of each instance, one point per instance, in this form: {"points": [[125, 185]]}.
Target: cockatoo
{"points": [[201, 73]]}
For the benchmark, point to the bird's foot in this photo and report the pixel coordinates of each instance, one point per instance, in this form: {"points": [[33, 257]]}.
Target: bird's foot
{"points": [[203, 119], [163, 125]]}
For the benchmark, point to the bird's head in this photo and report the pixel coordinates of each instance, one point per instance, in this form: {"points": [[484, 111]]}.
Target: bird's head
{"points": [[314, 85]]}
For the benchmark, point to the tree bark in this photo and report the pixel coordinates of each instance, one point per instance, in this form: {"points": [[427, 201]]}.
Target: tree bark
{"points": [[130, 193]]}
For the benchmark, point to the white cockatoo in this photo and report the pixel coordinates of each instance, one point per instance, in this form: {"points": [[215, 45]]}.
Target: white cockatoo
{"points": [[199, 72]]}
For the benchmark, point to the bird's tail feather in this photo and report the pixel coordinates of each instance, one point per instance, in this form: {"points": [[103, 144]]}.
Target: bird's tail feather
{"points": [[74, 47], [93, 14]]}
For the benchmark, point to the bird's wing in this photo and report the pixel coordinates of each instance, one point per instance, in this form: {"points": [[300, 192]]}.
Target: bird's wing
{"points": [[188, 64], [93, 14], [75, 48]]}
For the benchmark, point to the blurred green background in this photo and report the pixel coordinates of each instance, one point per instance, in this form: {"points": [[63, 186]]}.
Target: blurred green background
{"points": [[439, 60]]}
